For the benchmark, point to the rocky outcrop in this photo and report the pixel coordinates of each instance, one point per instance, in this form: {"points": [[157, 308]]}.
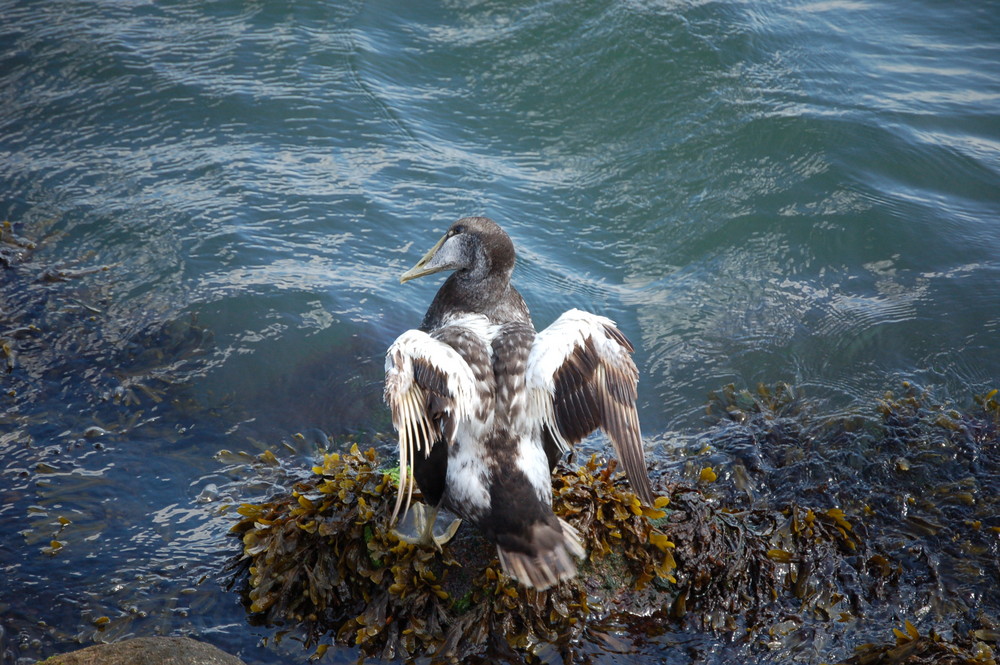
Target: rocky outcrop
{"points": [[147, 651]]}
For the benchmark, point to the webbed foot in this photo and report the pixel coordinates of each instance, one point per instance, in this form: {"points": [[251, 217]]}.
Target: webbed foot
{"points": [[424, 518]]}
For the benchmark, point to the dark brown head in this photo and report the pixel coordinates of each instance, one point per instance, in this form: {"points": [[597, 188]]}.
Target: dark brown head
{"points": [[476, 248], [481, 257]]}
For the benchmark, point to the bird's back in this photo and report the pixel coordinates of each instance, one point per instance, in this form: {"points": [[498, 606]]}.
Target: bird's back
{"points": [[498, 472]]}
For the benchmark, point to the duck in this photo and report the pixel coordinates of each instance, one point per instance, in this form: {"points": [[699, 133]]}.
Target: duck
{"points": [[485, 406]]}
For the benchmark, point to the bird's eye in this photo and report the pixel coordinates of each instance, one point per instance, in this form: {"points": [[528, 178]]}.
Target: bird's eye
{"points": [[455, 230]]}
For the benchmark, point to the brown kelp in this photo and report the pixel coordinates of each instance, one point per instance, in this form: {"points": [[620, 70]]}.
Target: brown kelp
{"points": [[915, 649], [321, 555], [915, 470], [788, 530]]}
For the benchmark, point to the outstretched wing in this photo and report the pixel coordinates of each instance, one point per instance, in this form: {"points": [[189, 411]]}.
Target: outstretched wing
{"points": [[581, 377], [429, 388]]}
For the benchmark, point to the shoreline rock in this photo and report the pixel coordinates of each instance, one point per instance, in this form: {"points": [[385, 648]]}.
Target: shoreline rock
{"points": [[147, 651]]}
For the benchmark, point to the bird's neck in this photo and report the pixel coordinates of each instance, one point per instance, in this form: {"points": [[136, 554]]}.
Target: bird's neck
{"points": [[492, 296]]}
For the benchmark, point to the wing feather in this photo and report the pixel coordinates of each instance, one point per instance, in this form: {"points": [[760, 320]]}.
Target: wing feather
{"points": [[429, 388], [582, 377]]}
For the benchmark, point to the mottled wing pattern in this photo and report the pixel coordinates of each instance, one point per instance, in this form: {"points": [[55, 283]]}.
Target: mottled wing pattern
{"points": [[429, 388], [469, 337], [581, 376]]}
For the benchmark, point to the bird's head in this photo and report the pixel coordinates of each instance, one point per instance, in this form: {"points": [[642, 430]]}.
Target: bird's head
{"points": [[475, 247]]}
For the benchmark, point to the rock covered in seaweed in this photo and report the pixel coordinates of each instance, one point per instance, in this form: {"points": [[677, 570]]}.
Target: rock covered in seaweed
{"points": [[321, 556]]}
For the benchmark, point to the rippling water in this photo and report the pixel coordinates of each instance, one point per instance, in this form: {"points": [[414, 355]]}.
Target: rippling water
{"points": [[210, 204]]}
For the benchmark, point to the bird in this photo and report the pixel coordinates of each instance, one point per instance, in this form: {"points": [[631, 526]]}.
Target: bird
{"points": [[485, 406]]}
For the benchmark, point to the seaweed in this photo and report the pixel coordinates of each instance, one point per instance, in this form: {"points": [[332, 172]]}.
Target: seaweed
{"points": [[785, 529], [13, 247], [321, 556], [932, 649]]}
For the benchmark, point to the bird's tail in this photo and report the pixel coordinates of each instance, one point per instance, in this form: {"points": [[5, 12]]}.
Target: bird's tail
{"points": [[552, 561]]}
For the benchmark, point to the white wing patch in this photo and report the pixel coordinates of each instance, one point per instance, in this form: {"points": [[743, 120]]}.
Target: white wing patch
{"points": [[420, 370], [581, 376]]}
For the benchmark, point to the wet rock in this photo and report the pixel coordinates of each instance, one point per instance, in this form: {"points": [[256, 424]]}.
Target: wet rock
{"points": [[147, 651]]}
